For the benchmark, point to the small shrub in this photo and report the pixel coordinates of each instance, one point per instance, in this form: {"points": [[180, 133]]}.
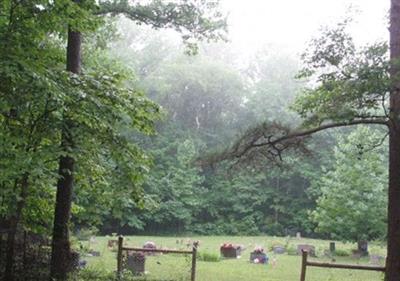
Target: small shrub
{"points": [[91, 274], [341, 253], [291, 251], [84, 234], [83, 248], [208, 257]]}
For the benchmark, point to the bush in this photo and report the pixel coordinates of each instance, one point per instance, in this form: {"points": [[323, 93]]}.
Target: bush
{"points": [[292, 251], [84, 234], [91, 274], [208, 257], [341, 253], [101, 275]]}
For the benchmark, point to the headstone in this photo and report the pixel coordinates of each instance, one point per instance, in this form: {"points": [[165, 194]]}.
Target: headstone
{"points": [[305, 247], [298, 235], [136, 263], [82, 264], [230, 251], [332, 247], [150, 245], [363, 248], [278, 250]]}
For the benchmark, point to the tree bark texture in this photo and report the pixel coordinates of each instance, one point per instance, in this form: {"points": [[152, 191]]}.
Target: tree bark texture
{"points": [[13, 229], [393, 254], [61, 251]]}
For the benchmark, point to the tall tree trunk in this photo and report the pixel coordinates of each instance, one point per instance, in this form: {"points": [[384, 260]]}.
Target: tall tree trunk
{"points": [[13, 229], [393, 254], [61, 252]]}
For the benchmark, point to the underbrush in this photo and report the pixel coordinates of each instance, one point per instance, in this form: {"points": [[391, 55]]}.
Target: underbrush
{"points": [[208, 257], [341, 253], [91, 274]]}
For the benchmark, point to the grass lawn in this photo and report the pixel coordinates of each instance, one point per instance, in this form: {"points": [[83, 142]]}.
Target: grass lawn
{"points": [[286, 268]]}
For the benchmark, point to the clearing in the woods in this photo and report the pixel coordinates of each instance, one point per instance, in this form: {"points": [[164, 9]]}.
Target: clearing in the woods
{"points": [[280, 266]]}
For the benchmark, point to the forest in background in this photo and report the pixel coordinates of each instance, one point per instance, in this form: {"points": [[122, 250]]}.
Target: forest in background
{"points": [[208, 100]]}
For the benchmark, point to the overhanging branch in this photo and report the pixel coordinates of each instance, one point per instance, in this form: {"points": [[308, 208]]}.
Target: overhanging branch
{"points": [[274, 138], [193, 19], [311, 131]]}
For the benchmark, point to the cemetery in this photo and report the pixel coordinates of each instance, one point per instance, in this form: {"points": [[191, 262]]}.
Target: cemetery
{"points": [[257, 261]]}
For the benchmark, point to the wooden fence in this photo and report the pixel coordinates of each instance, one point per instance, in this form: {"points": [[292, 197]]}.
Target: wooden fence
{"points": [[121, 248], [305, 263]]}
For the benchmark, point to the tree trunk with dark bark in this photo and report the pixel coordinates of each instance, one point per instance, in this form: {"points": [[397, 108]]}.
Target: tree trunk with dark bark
{"points": [[393, 254], [61, 251], [13, 229]]}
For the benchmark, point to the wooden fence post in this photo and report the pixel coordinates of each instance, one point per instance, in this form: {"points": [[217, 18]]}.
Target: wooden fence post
{"points": [[303, 265], [194, 257], [119, 256]]}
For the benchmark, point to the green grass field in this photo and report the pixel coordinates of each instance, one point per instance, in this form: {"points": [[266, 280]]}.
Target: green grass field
{"points": [[286, 268]]}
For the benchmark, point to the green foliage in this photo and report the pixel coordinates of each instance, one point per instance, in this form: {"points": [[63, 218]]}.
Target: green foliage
{"points": [[30, 97], [84, 234], [207, 101], [352, 203], [97, 275], [194, 19], [291, 251], [208, 257], [37, 95], [348, 84], [341, 253], [153, 184]]}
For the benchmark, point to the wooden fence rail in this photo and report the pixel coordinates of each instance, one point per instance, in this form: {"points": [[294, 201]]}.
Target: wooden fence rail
{"points": [[305, 263], [121, 248]]}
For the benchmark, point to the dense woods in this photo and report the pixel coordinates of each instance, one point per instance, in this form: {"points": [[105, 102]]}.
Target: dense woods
{"points": [[208, 101]]}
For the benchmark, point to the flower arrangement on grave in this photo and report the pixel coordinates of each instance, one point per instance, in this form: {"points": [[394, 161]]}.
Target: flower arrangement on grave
{"points": [[230, 246], [258, 256], [258, 250], [226, 246]]}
